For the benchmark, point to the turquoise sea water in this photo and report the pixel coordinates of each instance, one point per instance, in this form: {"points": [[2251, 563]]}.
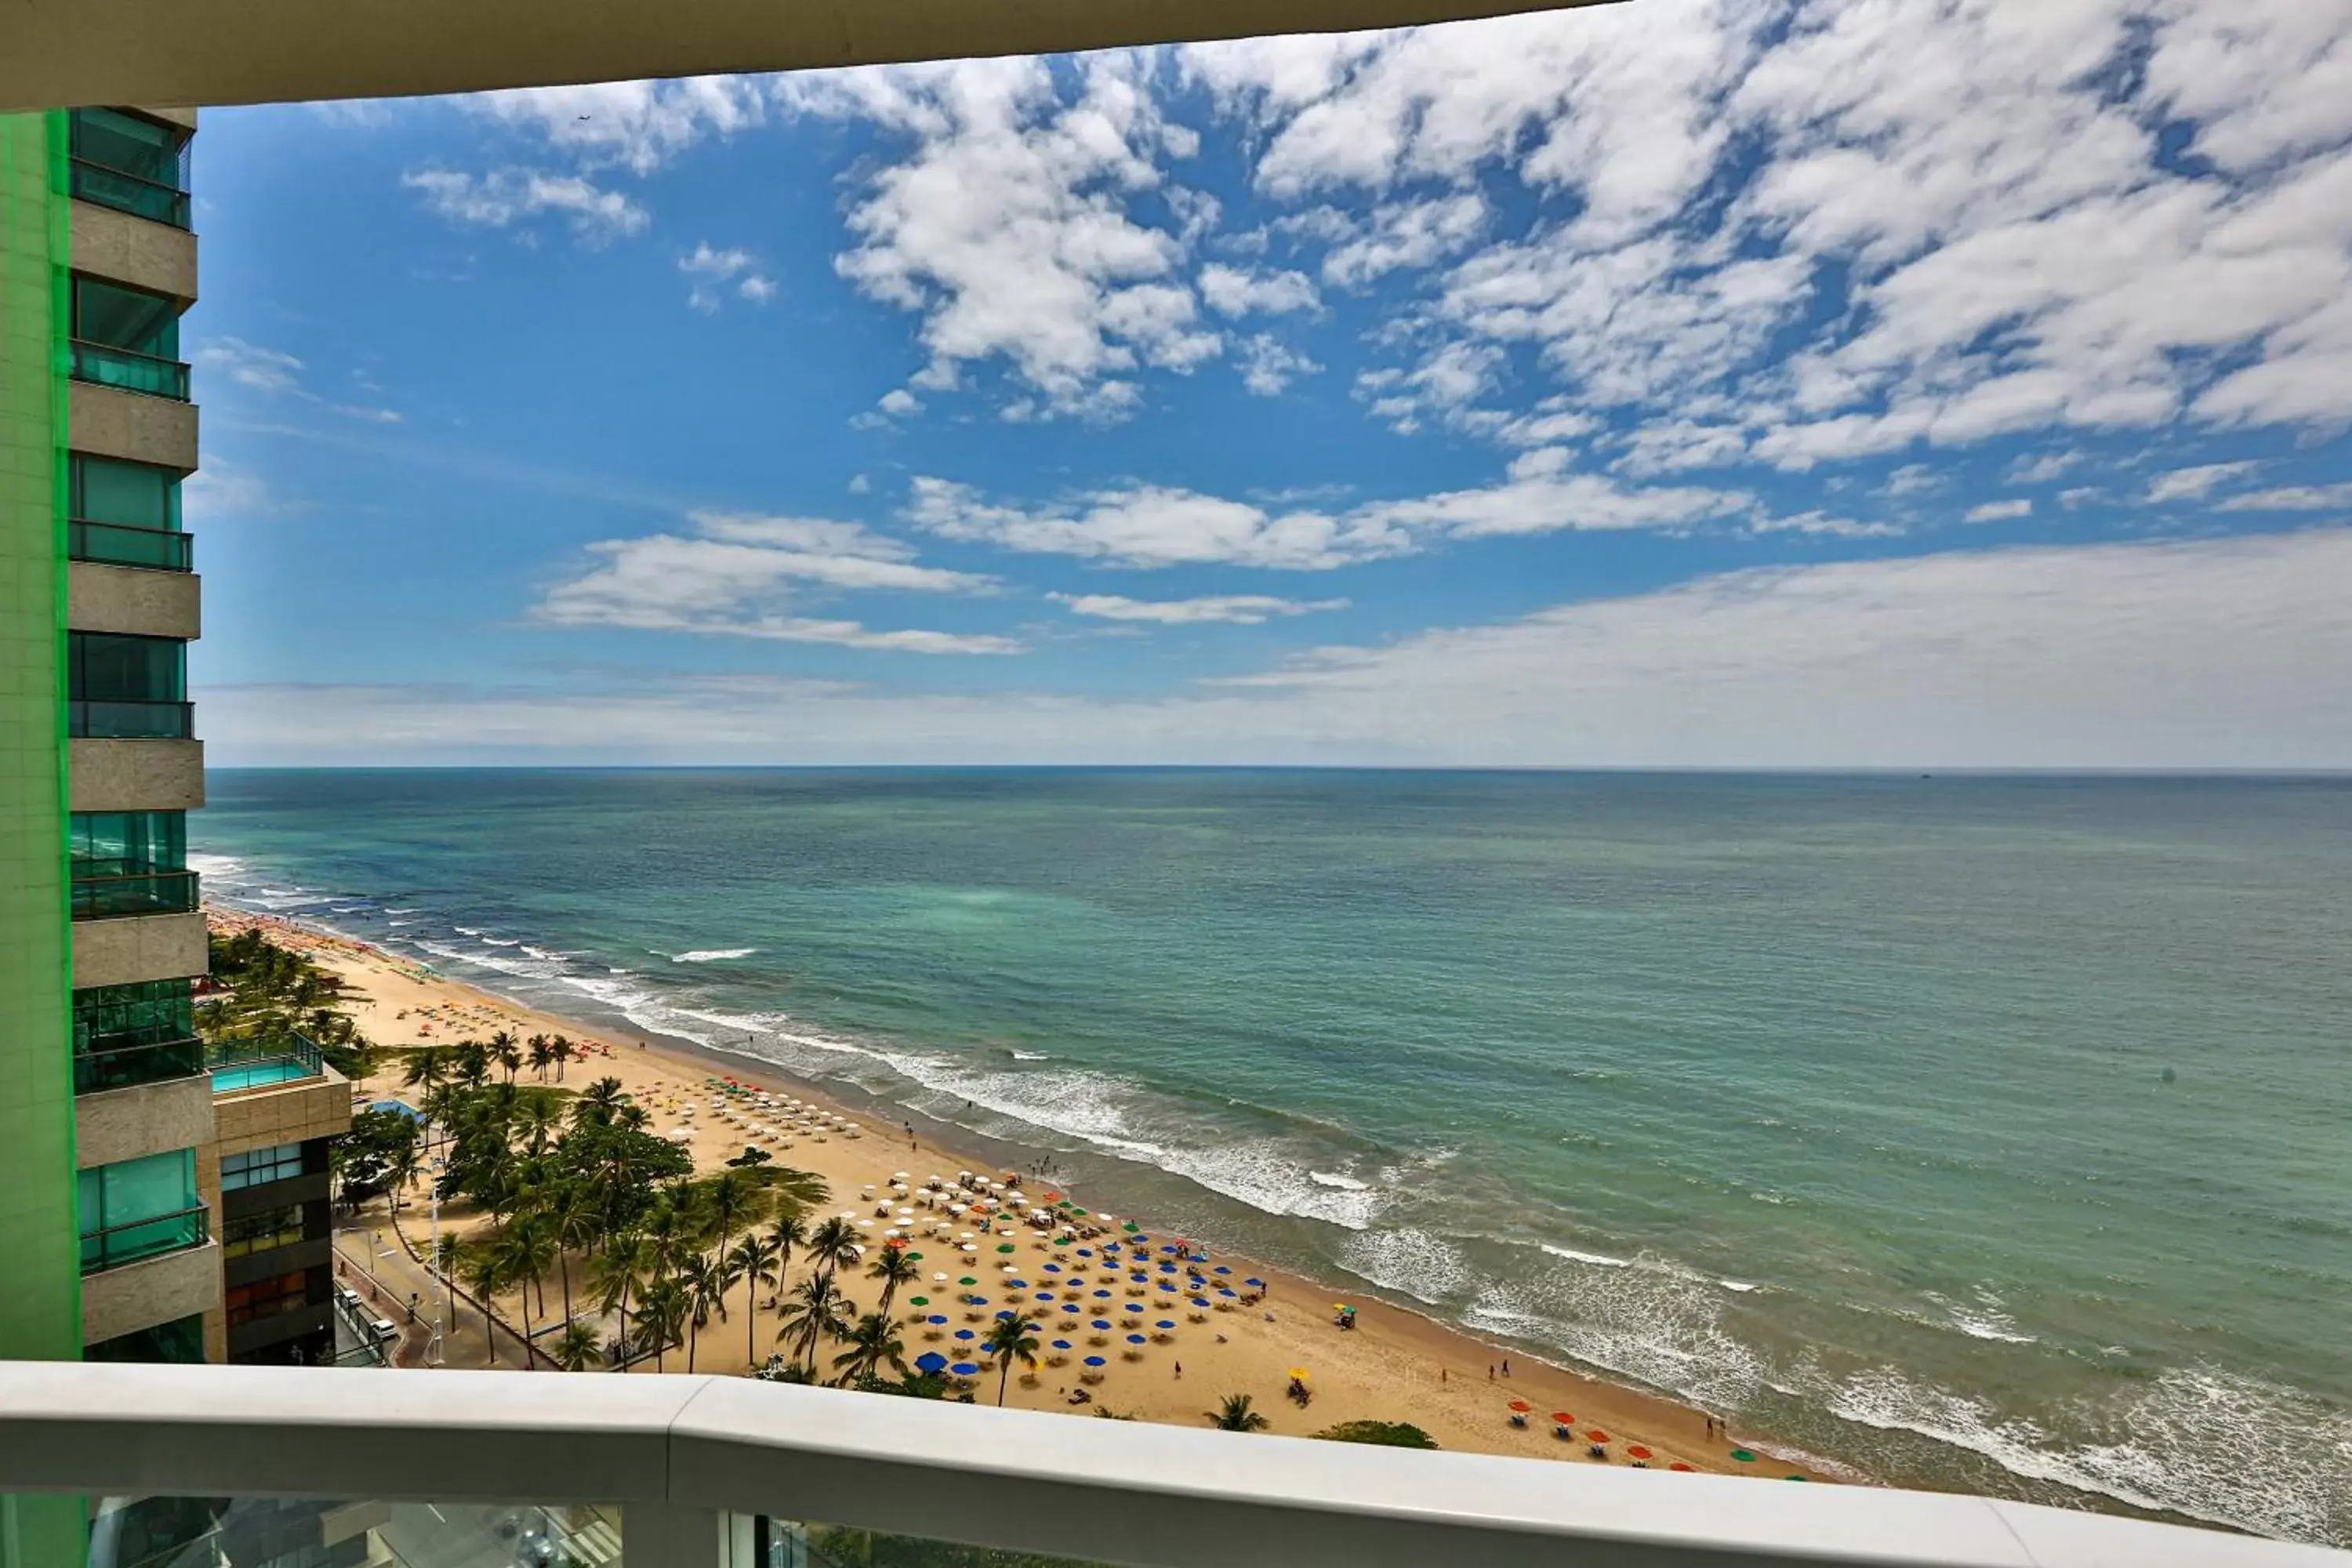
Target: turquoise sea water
{"points": [[1980, 1132]]}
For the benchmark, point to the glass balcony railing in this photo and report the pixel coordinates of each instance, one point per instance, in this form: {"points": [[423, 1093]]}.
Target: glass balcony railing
{"points": [[105, 894], [125, 544], [135, 1239], [258, 1064], [501, 1468], [106, 365], [127, 1067], [130, 720], [128, 192]]}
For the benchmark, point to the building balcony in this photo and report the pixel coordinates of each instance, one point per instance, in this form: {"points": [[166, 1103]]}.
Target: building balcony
{"points": [[128, 192], [126, 544], [701, 1472], [103, 1068], [128, 370], [240, 1065], [137, 1240], [109, 891], [139, 720]]}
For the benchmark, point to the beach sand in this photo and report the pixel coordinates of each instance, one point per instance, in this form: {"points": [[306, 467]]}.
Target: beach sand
{"points": [[1394, 1366]]}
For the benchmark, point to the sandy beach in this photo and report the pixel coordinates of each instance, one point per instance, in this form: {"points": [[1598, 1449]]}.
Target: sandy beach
{"points": [[1394, 1366]]}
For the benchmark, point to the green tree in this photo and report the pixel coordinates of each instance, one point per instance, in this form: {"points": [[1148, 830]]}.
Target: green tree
{"points": [[507, 1051], [873, 1345], [1384, 1433], [524, 1250], [1235, 1416], [559, 1051], [833, 1243], [484, 1271], [662, 1313], [536, 1053], [1012, 1337], [753, 1261], [815, 1310], [617, 1272], [577, 1347], [893, 1269]]}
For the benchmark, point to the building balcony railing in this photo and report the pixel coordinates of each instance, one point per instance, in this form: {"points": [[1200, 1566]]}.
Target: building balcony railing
{"points": [[130, 370], [111, 719], [259, 1064], [127, 1067], [720, 1472], [128, 192], [102, 890], [144, 1238], [126, 544]]}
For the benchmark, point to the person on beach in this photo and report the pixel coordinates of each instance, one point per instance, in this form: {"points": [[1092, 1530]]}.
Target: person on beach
{"points": [[1507, 1368], [1180, 1371]]}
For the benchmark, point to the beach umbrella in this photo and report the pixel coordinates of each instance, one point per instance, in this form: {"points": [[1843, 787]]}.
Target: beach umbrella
{"points": [[1061, 1344], [918, 1300], [1100, 1323], [1061, 1241], [1678, 1465], [1164, 1324], [1130, 1225], [1001, 1315], [1254, 1282], [965, 1334], [1597, 1436], [936, 1321], [1018, 1284], [1006, 1246], [1225, 1291], [1299, 1373], [1102, 1295], [1200, 1301], [967, 1280], [1563, 1418], [1224, 1269], [1136, 1340], [1521, 1407], [938, 1279], [964, 1369], [975, 1301], [929, 1360], [1637, 1452], [1743, 1456], [1045, 1295], [1053, 1268], [1168, 1267], [1095, 1360]]}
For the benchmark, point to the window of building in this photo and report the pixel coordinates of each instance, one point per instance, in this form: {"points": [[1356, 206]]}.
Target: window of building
{"points": [[119, 686], [111, 1018], [266, 1297], [182, 1341], [128, 144], [112, 843], [137, 1208], [135, 495], [255, 1166], [262, 1232], [123, 318]]}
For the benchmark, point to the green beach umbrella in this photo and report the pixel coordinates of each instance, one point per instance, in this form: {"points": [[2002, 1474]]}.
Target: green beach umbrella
{"points": [[920, 1300], [1743, 1456], [968, 1279], [1006, 1247]]}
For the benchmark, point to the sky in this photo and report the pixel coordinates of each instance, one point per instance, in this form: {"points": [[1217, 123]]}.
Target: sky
{"points": [[1885, 383]]}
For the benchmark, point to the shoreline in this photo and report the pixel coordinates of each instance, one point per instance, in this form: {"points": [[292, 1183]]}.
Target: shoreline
{"points": [[1399, 1364]]}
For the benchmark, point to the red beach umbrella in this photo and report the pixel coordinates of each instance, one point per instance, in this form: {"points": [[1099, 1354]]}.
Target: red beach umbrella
{"points": [[1521, 1405], [1638, 1452], [1678, 1465], [1597, 1436], [1563, 1418]]}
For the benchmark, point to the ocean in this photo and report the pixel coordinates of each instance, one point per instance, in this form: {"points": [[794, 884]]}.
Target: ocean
{"points": [[1981, 1132]]}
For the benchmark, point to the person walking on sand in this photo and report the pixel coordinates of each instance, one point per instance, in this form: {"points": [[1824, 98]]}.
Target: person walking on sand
{"points": [[1490, 1372], [1180, 1371], [1506, 1367]]}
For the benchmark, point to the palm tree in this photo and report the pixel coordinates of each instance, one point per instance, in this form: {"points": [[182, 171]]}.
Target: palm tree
{"points": [[524, 1250], [559, 1051], [507, 1051], [735, 1200], [538, 1056], [706, 1279], [617, 1272], [1235, 1416], [484, 1270], [427, 1066], [662, 1312], [816, 1309], [537, 1120], [401, 1161], [872, 1343], [473, 1069], [579, 1220], [832, 1244], [1010, 1338], [786, 1231], [597, 1102], [789, 1188], [894, 1268], [753, 1261], [577, 1347]]}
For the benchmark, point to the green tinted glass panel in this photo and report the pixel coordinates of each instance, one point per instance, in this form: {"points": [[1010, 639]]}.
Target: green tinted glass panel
{"points": [[130, 840], [123, 318], [131, 1192], [106, 666], [110, 1016], [131, 145], [180, 1343], [136, 495]]}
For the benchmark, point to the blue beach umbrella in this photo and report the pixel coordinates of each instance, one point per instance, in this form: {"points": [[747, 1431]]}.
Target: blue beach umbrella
{"points": [[1061, 1344], [1254, 1282], [1045, 1295], [1100, 1323], [1223, 1269], [966, 1334], [1095, 1360], [1135, 1339], [929, 1360], [1226, 1291], [1053, 1268], [1200, 1301], [1086, 1252], [1102, 1295], [1172, 1247], [1168, 1266], [1018, 1284], [936, 1322], [963, 1368], [1164, 1324]]}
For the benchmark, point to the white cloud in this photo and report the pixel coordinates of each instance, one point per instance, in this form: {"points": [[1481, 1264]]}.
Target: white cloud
{"points": [[1268, 366], [637, 125], [278, 372], [712, 270], [1148, 526], [2000, 510], [1005, 225], [2196, 483], [2042, 467], [1238, 609], [738, 577], [2292, 498], [2224, 653], [1234, 291], [505, 197], [859, 484], [1405, 234]]}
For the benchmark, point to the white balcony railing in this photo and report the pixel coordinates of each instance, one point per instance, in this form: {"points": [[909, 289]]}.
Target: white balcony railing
{"points": [[685, 1462]]}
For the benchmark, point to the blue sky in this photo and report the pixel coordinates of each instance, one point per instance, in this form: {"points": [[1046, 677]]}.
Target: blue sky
{"points": [[1887, 383]]}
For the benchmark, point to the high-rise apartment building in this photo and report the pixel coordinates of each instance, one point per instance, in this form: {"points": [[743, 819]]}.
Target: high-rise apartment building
{"points": [[106, 1107]]}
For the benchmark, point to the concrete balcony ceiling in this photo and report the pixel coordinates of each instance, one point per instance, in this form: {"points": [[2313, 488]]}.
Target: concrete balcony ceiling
{"points": [[64, 52]]}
